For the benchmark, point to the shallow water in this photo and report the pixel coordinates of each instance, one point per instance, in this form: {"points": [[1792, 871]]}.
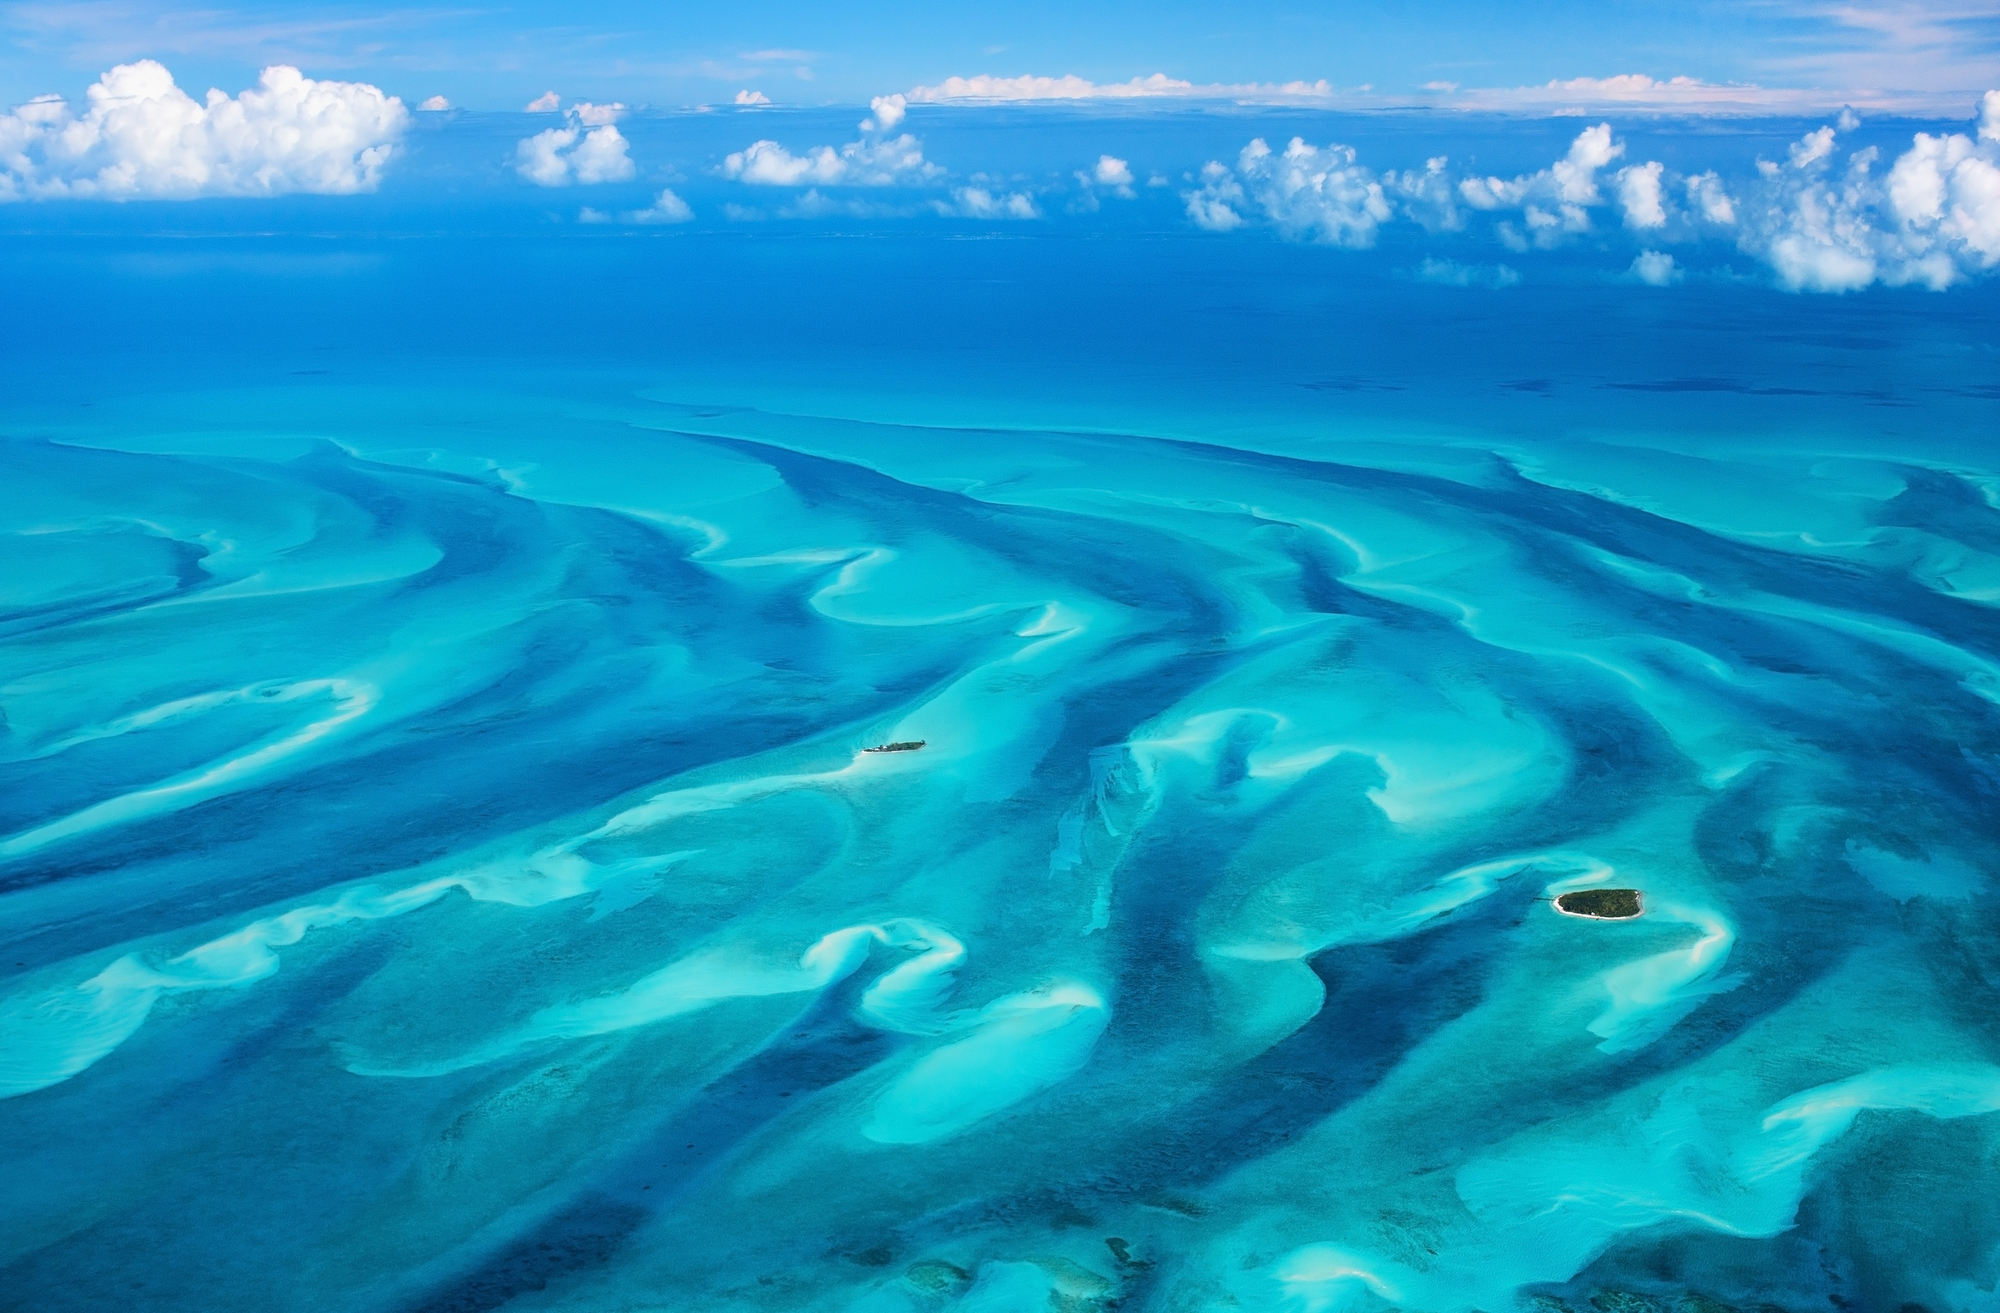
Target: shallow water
{"points": [[441, 871]]}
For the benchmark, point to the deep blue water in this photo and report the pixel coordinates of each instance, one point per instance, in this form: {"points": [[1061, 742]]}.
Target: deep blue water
{"points": [[438, 869]]}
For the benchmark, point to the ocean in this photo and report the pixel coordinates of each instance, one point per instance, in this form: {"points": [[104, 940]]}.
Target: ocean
{"points": [[441, 866]]}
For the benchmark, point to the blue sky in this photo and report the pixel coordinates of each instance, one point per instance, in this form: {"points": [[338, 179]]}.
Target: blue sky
{"points": [[498, 56], [1833, 149]]}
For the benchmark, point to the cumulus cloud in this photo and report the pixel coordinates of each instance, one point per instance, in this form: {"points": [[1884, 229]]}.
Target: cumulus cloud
{"points": [[143, 137], [1555, 201], [666, 208], [888, 111], [546, 103], [1828, 225], [980, 203], [435, 104], [1639, 195], [1322, 193], [1110, 173], [1216, 204], [752, 98], [1708, 199], [1305, 191], [1814, 224], [858, 163], [1824, 219], [596, 116], [1655, 268], [557, 157], [1427, 195], [1946, 190]]}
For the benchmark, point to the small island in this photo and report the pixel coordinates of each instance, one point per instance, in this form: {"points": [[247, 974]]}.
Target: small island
{"points": [[896, 747], [1601, 904]]}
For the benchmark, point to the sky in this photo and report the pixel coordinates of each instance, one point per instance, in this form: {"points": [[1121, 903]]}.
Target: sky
{"points": [[1833, 148], [500, 56]]}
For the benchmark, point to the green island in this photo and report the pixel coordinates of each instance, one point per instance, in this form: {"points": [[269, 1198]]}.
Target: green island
{"points": [[1604, 904]]}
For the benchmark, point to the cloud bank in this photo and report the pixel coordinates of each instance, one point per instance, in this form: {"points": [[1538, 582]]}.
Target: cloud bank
{"points": [[558, 157], [589, 151], [984, 203], [1579, 95], [1823, 219], [865, 163], [667, 208], [142, 137], [1828, 223], [986, 88]]}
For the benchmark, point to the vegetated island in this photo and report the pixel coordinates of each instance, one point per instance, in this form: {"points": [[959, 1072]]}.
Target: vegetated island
{"points": [[1601, 904], [897, 747]]}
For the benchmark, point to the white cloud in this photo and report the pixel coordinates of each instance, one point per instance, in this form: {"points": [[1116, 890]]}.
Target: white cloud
{"points": [[557, 157], [1427, 195], [1814, 229], [602, 157], [435, 104], [1450, 273], [1307, 191], [1576, 172], [1109, 172], [540, 158], [888, 111], [1812, 148], [769, 164], [1947, 189], [1214, 205], [1934, 220], [1707, 198], [1639, 196], [1319, 192], [1656, 268], [1684, 94], [666, 208], [1555, 201], [1831, 227], [858, 163], [987, 88], [980, 203], [144, 137], [1580, 94], [596, 116], [546, 103], [752, 98]]}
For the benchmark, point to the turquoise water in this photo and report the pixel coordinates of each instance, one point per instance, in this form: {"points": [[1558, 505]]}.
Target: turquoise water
{"points": [[441, 871]]}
